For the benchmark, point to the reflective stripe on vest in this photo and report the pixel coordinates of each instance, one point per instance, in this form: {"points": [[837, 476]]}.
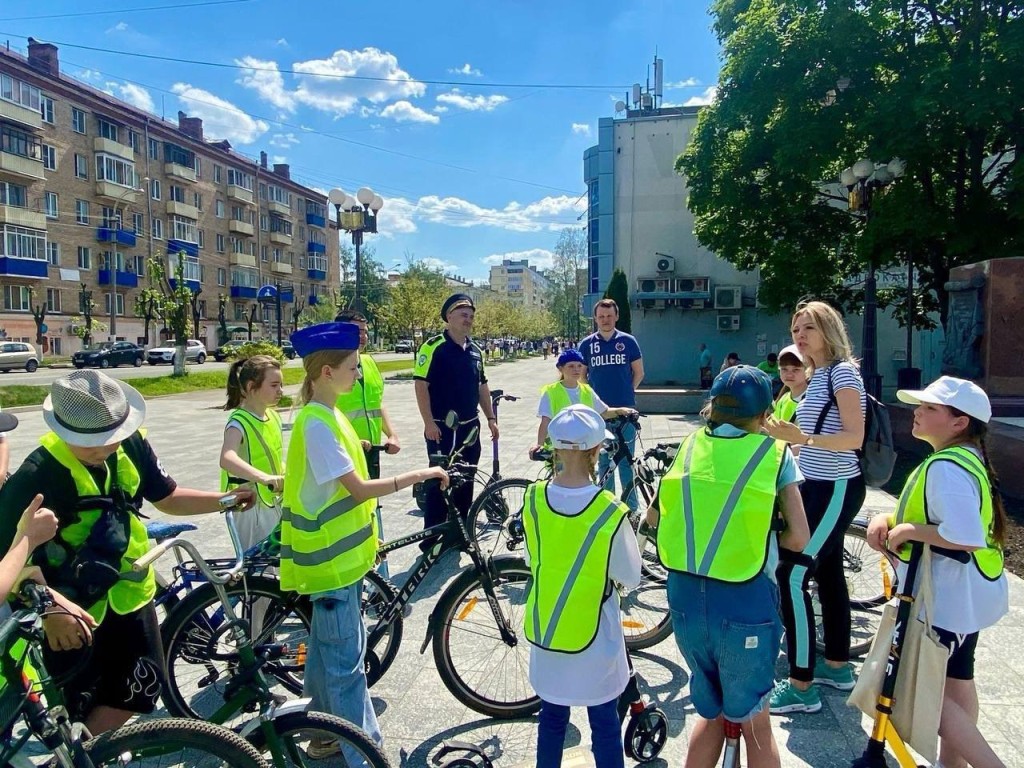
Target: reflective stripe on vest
{"points": [[362, 405], [569, 557], [134, 590], [334, 546], [913, 506], [263, 445], [558, 396], [734, 480]]}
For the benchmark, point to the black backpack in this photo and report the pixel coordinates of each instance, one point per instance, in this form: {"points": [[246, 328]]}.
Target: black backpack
{"points": [[877, 455]]}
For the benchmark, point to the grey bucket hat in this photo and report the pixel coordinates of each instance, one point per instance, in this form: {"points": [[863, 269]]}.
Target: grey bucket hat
{"points": [[89, 409]]}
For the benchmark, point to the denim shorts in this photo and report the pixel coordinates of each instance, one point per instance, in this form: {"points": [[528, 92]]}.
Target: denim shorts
{"points": [[729, 635]]}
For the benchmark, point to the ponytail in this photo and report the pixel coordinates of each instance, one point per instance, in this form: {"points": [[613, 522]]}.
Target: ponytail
{"points": [[977, 435], [234, 386], [246, 374]]}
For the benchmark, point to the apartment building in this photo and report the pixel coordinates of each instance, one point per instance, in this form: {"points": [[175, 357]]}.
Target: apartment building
{"points": [[92, 189], [521, 282]]}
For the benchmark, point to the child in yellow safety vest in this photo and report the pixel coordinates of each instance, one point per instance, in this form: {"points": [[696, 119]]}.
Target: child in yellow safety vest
{"points": [[951, 503], [793, 373], [578, 542], [329, 530], [716, 513], [569, 390], [252, 447]]}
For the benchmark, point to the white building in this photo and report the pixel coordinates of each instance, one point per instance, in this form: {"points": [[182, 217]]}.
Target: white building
{"points": [[519, 281]]}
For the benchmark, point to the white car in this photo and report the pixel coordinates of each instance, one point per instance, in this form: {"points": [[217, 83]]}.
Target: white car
{"points": [[194, 352]]}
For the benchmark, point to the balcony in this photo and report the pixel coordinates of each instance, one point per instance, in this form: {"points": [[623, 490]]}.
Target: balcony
{"points": [[193, 285], [240, 227], [22, 217], [278, 209], [243, 292], [115, 235], [116, 192], [316, 274], [115, 148], [180, 171], [182, 246], [174, 208], [316, 247], [13, 266], [315, 221], [122, 278], [280, 238], [281, 268], [241, 194], [241, 260], [25, 167], [30, 118]]}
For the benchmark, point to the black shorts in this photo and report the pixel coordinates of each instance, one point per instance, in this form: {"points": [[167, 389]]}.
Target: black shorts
{"points": [[961, 658], [125, 670]]}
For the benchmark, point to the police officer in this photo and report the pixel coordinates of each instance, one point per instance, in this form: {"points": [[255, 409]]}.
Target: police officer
{"points": [[450, 376]]}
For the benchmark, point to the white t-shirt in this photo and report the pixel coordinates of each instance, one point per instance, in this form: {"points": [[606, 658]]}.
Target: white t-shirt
{"points": [[965, 601], [600, 672], [544, 406], [255, 524], [326, 461]]}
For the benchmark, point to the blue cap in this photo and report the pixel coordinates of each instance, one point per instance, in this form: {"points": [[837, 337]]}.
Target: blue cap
{"points": [[315, 338], [569, 356], [743, 391]]}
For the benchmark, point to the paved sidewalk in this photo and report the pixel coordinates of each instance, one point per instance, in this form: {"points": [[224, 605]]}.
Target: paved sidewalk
{"points": [[416, 710]]}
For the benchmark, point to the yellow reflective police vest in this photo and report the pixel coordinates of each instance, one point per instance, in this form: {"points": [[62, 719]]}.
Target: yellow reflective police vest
{"points": [[913, 506], [785, 407], [717, 502], [133, 590], [330, 547], [263, 444], [362, 405], [558, 396], [569, 560]]}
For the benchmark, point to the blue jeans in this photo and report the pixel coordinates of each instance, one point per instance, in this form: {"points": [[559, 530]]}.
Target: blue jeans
{"points": [[605, 734], [335, 678], [625, 467]]}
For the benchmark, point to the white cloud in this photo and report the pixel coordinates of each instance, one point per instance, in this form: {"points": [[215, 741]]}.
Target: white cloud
{"points": [[405, 112], [440, 109], [135, 95], [284, 140], [583, 129], [121, 26], [472, 103], [703, 99], [548, 214], [445, 266], [281, 42], [689, 82], [88, 74], [541, 258], [397, 217], [466, 69], [221, 118], [276, 159], [266, 80]]}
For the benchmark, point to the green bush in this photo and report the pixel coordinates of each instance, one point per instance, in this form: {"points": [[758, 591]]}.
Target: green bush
{"points": [[252, 348]]}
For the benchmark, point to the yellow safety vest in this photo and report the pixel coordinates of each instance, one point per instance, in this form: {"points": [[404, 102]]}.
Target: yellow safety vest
{"points": [[133, 590], [330, 547], [569, 560], [558, 396], [717, 502], [785, 407], [263, 445], [913, 507], [362, 405]]}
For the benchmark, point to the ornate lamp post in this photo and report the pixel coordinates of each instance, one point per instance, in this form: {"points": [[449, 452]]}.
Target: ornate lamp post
{"points": [[357, 215], [863, 181]]}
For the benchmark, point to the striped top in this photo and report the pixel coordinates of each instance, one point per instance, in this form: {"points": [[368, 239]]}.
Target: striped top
{"points": [[820, 463]]}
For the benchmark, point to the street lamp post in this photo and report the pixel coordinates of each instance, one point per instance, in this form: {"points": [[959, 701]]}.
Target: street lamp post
{"points": [[357, 215], [863, 181], [113, 267]]}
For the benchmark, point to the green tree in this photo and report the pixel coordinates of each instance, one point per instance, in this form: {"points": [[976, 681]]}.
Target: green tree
{"points": [[414, 303], [618, 289], [570, 261], [807, 87], [175, 304]]}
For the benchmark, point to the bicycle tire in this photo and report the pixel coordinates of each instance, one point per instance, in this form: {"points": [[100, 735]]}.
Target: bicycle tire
{"points": [[297, 727], [464, 611], [378, 592], [646, 620], [490, 512], [192, 673], [148, 743]]}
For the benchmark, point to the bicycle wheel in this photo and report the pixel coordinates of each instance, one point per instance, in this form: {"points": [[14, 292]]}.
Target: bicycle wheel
{"points": [[202, 656], [327, 739], [490, 513], [646, 620], [866, 570], [474, 662], [173, 742], [378, 592], [864, 622]]}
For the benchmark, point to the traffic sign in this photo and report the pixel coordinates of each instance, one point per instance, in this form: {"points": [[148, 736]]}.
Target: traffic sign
{"points": [[43, 328]]}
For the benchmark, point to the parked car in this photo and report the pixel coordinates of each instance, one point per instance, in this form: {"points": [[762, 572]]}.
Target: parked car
{"points": [[225, 350], [18, 354], [194, 352], [109, 354], [288, 349], [404, 345]]}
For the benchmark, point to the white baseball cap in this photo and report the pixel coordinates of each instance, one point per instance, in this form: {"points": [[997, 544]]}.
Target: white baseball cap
{"points": [[791, 350], [965, 396], [577, 428]]}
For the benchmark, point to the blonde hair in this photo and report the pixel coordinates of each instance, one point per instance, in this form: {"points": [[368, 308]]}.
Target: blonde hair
{"points": [[245, 374], [578, 459], [833, 330], [314, 363]]}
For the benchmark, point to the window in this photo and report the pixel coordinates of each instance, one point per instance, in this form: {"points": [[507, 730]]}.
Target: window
{"points": [[133, 139], [192, 269], [264, 222], [154, 188], [23, 243], [81, 167], [263, 253], [82, 212], [13, 195], [218, 209], [140, 266], [199, 167], [84, 258], [279, 195], [197, 200], [77, 120], [106, 129], [115, 170], [16, 298], [302, 234], [202, 239], [154, 149], [111, 217], [138, 223], [158, 229], [281, 225], [243, 180], [176, 193], [201, 308], [119, 303], [217, 171], [112, 260], [52, 207], [20, 93], [220, 243], [46, 109], [263, 191], [181, 228], [53, 253], [222, 277], [53, 300], [49, 157], [17, 142]]}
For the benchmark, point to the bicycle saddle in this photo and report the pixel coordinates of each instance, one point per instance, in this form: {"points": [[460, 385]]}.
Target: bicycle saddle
{"points": [[160, 530]]}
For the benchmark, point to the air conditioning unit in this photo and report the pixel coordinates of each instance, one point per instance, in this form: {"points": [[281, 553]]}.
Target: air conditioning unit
{"points": [[653, 285], [73, 329], [730, 322], [698, 303], [665, 264], [728, 297], [693, 284]]}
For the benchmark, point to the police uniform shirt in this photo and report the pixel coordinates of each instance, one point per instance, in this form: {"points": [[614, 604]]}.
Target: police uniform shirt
{"points": [[454, 374]]}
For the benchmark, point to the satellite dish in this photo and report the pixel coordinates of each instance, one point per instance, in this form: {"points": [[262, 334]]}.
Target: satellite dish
{"points": [[620, 106]]}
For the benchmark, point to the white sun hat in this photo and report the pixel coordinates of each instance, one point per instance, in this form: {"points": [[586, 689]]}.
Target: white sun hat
{"points": [[89, 409], [956, 393]]}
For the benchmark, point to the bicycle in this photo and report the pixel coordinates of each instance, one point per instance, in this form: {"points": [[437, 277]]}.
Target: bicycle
{"points": [[29, 694], [286, 732]]}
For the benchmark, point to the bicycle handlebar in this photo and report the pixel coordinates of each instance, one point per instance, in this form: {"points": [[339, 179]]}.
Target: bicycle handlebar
{"points": [[38, 599], [229, 504]]}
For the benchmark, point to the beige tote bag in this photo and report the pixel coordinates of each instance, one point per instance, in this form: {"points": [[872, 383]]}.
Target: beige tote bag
{"points": [[917, 701]]}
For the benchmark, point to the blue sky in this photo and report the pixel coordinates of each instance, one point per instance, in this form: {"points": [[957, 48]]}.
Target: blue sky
{"points": [[471, 170]]}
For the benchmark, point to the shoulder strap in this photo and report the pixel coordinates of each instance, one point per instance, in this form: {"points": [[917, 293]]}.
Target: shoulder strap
{"points": [[828, 406]]}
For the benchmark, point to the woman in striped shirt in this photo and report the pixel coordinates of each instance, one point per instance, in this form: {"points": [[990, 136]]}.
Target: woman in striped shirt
{"points": [[829, 428]]}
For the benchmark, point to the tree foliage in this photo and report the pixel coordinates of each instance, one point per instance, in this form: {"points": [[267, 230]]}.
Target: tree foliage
{"points": [[414, 303], [174, 304], [807, 87], [567, 285], [618, 290]]}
